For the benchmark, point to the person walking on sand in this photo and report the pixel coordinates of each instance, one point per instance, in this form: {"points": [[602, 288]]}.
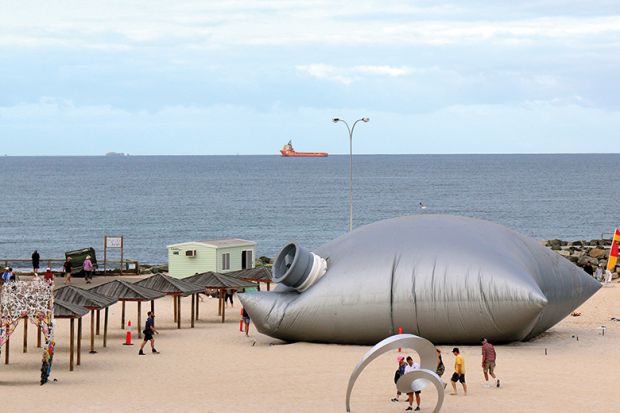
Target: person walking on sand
{"points": [[411, 366], [608, 276], [88, 269], [229, 297], [488, 362], [459, 371], [149, 330], [397, 375], [67, 267], [35, 262], [246, 321]]}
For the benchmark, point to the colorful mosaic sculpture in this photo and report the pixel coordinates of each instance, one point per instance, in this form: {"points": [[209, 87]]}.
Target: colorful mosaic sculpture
{"points": [[34, 300]]}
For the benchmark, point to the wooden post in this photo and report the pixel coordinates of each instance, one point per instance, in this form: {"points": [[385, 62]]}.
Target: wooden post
{"points": [[25, 334], [139, 327], [268, 285], [193, 311], [71, 344], [92, 332], [179, 315], [7, 348], [224, 306], [175, 309], [197, 305], [98, 322], [122, 247], [38, 333], [123, 316], [105, 327], [219, 303], [79, 341], [152, 306]]}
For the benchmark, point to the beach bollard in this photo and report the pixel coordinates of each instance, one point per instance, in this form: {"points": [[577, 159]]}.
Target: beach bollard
{"points": [[400, 331], [128, 335], [241, 321]]}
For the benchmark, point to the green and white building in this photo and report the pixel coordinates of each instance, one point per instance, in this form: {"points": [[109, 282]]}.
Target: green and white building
{"points": [[222, 256]]}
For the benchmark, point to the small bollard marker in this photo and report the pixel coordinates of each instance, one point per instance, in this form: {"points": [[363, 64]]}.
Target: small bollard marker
{"points": [[400, 331], [128, 335]]}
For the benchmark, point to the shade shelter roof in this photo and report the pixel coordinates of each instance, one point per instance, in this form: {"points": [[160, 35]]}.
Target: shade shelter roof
{"points": [[126, 291], [169, 285], [253, 274], [84, 298], [215, 280], [63, 309]]}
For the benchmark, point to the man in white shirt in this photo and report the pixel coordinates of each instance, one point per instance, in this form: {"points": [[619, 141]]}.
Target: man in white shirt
{"points": [[411, 366]]}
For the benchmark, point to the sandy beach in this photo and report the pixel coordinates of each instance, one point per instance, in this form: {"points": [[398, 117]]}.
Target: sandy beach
{"points": [[215, 368]]}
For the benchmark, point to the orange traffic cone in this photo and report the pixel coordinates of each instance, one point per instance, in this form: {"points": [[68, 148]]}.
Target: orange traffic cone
{"points": [[128, 335]]}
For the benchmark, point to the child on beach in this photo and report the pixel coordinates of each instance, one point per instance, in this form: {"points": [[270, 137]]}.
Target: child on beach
{"points": [[246, 321], [399, 372], [459, 371]]}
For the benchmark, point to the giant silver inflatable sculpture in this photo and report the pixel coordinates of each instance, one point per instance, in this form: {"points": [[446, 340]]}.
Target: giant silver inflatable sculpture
{"points": [[445, 278]]}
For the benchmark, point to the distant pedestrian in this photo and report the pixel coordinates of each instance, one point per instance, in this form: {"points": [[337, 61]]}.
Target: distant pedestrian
{"points": [[411, 366], [400, 371], [35, 261], [488, 362], [246, 321], [608, 276], [598, 274], [6, 275], [459, 371], [88, 270], [48, 275], [67, 267], [441, 368], [14, 276], [229, 297], [149, 330]]}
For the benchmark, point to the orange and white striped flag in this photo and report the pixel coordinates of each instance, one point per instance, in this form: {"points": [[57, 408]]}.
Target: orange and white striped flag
{"points": [[613, 253]]}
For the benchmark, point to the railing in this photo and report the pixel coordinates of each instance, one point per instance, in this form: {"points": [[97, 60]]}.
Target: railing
{"points": [[21, 264]]}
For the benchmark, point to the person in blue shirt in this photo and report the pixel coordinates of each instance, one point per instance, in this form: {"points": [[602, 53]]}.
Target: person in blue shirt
{"points": [[6, 275], [149, 330]]}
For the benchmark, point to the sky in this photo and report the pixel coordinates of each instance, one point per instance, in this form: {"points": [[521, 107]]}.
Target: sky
{"points": [[243, 77]]}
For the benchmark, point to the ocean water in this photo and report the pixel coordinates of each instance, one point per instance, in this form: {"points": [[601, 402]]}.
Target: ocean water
{"points": [[55, 204]]}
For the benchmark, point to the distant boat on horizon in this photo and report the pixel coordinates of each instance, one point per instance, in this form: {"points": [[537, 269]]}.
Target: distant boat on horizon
{"points": [[288, 151], [116, 154]]}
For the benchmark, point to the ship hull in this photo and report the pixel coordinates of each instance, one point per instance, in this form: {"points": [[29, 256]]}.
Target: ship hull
{"points": [[294, 154]]}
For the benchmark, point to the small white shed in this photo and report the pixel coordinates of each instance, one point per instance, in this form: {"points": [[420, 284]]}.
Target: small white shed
{"points": [[222, 256]]}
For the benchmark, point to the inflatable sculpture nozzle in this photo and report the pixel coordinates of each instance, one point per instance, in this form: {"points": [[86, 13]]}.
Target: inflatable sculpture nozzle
{"points": [[297, 267]]}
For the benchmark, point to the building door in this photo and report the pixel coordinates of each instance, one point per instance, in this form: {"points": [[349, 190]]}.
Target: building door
{"points": [[246, 259]]}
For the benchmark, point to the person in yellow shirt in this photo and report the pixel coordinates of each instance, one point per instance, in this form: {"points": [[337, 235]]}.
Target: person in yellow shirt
{"points": [[459, 371]]}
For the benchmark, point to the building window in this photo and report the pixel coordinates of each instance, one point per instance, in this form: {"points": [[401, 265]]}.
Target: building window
{"points": [[226, 261], [246, 259]]}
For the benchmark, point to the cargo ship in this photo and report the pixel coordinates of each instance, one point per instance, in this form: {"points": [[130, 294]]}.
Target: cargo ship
{"points": [[287, 150]]}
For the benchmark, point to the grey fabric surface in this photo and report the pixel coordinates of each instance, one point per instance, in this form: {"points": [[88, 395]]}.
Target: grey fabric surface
{"points": [[445, 278]]}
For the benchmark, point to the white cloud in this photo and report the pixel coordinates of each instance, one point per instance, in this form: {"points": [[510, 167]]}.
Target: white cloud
{"points": [[198, 24], [348, 75]]}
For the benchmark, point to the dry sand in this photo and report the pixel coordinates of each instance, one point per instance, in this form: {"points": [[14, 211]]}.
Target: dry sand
{"points": [[215, 368]]}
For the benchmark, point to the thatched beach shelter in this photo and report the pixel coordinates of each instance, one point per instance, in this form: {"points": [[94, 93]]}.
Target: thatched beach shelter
{"points": [[92, 301], [220, 282], [63, 309], [257, 275], [175, 288], [125, 291]]}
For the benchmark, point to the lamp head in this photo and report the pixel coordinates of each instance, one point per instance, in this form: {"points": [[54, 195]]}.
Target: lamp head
{"points": [[365, 119], [336, 120]]}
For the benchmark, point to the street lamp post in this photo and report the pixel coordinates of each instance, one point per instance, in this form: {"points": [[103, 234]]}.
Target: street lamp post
{"points": [[350, 129]]}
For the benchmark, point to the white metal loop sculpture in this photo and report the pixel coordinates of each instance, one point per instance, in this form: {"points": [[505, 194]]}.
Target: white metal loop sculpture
{"points": [[428, 363]]}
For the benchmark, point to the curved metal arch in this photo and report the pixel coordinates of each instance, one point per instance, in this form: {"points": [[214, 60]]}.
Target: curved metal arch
{"points": [[428, 363]]}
